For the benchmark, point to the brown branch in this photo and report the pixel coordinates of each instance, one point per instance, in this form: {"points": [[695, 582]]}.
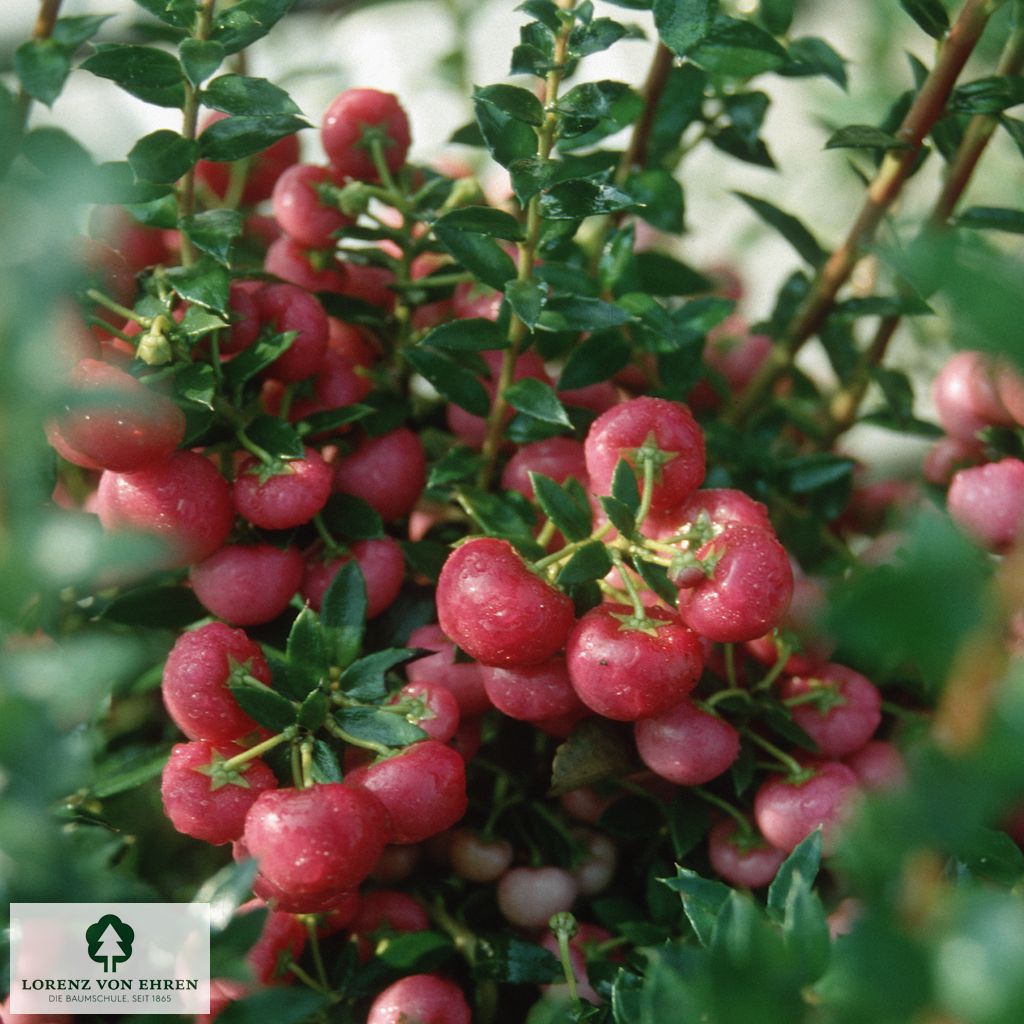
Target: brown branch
{"points": [[979, 131], [635, 154], [882, 193]]}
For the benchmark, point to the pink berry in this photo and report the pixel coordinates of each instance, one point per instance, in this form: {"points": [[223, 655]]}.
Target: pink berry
{"points": [[287, 307], [205, 801], [477, 859], [299, 209], [246, 584], [381, 562], [667, 428], [556, 457], [748, 590], [370, 284], [183, 501], [195, 682], [878, 765], [595, 872], [787, 812], [749, 862], [532, 693], [318, 841], [496, 609], [464, 679], [386, 910], [853, 713], [245, 317], [687, 746], [719, 505], [966, 395], [801, 618], [629, 671], [348, 116], [282, 940], [387, 472], [286, 499], [329, 901], [293, 263], [420, 999], [439, 714], [423, 788], [116, 422], [948, 456], [987, 502], [527, 897], [586, 935]]}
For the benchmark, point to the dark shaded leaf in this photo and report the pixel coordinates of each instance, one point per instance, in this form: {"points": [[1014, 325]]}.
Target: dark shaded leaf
{"points": [[42, 67], [473, 334], [264, 705], [375, 725], [343, 615], [738, 49], [799, 868], [205, 283], [992, 218], [480, 255], [244, 22], [483, 220], [156, 607], [864, 136], [236, 137], [594, 359], [702, 899], [214, 232], [580, 198], [929, 14], [364, 679], [682, 24], [595, 750], [527, 299], [452, 381], [148, 73], [200, 58], [536, 399], [507, 958], [507, 136], [162, 156], [591, 562], [307, 655], [571, 518], [812, 56], [788, 226]]}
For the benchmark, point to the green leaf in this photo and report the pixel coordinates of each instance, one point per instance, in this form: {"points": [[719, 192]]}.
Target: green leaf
{"points": [[508, 137], [264, 705], [507, 958], [350, 519], [474, 334], [508, 515], [452, 381], [417, 952], [162, 156], [156, 607], [241, 96], [244, 22], [313, 711], [799, 868], [929, 14], [343, 615], [579, 198], [864, 136], [200, 58], [812, 56], [664, 275], [306, 653], [579, 313], [683, 24], [660, 198], [71, 32], [1015, 129], [178, 13], [375, 725], [364, 679], [599, 35], [624, 486], [456, 465], [42, 67], [529, 175], [805, 929], [596, 749], [738, 49], [622, 517], [992, 218], [483, 220], [527, 299], [537, 399], [205, 283], [594, 110], [127, 769], [590, 562], [881, 305], [788, 226], [988, 95], [572, 519], [214, 232], [256, 357], [777, 15], [702, 900], [595, 359], [325, 763], [517, 102], [656, 577], [681, 104], [152, 75], [331, 419], [481, 256], [236, 137], [276, 436], [544, 11]]}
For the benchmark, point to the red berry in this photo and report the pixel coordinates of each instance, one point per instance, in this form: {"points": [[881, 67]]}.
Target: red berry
{"points": [[671, 433], [987, 502], [344, 124], [748, 591], [595, 872], [327, 902], [353, 342], [949, 455], [388, 911], [496, 609], [787, 812], [282, 940], [293, 263], [477, 859], [878, 765], [116, 422], [423, 788], [719, 505], [532, 693], [626, 671], [464, 680], [687, 746], [439, 714], [203, 800], [370, 284], [966, 395], [311, 843], [245, 316], [556, 457], [183, 501], [749, 862], [420, 999], [528, 897], [801, 618], [301, 212], [246, 584], [287, 307], [195, 682], [851, 716], [381, 562], [387, 472], [286, 499]]}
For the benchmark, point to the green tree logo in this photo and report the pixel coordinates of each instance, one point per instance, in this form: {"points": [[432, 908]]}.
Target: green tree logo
{"points": [[110, 942]]}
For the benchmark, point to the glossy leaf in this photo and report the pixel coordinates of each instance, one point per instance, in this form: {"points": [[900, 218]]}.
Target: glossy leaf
{"points": [[473, 334], [241, 24], [593, 360], [571, 518], [205, 283], [42, 67], [343, 615], [214, 232], [788, 226], [590, 562], [537, 399], [738, 49], [481, 256], [527, 299], [864, 136], [264, 705], [929, 14], [236, 137], [483, 220], [508, 137], [162, 156], [150, 74], [364, 679], [452, 381], [702, 899], [992, 218], [682, 24], [242, 95], [580, 198], [375, 725], [200, 58]]}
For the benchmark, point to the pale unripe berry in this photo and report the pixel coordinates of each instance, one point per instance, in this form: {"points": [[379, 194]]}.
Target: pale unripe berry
{"points": [[527, 897]]}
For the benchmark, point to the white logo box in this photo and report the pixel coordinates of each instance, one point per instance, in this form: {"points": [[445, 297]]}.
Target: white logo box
{"points": [[110, 958]]}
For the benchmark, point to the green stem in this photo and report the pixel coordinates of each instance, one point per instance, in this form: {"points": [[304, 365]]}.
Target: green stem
{"points": [[306, 979], [783, 651], [337, 731], [634, 596], [565, 956], [730, 664], [314, 945], [257, 751], [116, 307], [724, 805], [646, 494], [296, 765], [250, 446], [792, 766], [330, 543], [732, 691]]}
